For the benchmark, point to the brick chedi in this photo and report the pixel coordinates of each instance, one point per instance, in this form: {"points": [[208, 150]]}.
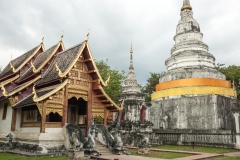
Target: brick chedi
{"points": [[192, 94]]}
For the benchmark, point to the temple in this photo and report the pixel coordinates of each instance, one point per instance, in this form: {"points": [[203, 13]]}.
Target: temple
{"points": [[193, 97], [42, 90]]}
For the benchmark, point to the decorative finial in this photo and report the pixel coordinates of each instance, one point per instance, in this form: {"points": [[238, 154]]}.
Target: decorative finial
{"points": [[62, 36], [86, 39], [42, 38], [186, 5], [131, 57], [34, 93]]}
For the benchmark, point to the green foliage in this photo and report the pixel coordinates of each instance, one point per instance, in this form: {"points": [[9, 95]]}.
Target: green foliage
{"points": [[99, 120], [232, 73], [151, 84], [6, 156], [114, 87]]}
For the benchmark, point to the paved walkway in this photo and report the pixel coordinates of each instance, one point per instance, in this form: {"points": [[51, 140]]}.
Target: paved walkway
{"points": [[233, 154], [195, 155]]}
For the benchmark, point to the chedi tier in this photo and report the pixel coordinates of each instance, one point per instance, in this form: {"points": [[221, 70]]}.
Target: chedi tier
{"points": [[192, 95]]}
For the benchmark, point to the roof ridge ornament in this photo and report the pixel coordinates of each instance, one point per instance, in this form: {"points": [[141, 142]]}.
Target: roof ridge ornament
{"points": [[4, 92], [33, 67], [106, 82], [34, 93], [42, 39], [87, 37], [62, 36], [60, 73], [122, 104]]}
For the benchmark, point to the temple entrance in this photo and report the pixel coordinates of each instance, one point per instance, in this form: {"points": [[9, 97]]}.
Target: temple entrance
{"points": [[77, 113]]}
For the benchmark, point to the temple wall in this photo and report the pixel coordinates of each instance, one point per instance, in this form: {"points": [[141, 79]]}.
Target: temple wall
{"points": [[5, 124], [202, 112]]}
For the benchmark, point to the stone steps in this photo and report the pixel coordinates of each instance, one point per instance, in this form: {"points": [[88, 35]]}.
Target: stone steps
{"points": [[101, 148]]}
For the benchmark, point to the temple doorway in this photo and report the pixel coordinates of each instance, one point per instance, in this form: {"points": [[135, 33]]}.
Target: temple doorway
{"points": [[77, 113]]}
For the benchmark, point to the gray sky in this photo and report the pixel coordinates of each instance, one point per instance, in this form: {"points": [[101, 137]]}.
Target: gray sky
{"points": [[152, 24]]}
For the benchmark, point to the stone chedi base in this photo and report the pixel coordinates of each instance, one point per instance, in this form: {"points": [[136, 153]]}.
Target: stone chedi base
{"points": [[193, 96]]}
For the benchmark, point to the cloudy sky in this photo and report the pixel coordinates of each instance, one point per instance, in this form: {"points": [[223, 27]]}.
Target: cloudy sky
{"points": [[152, 24]]}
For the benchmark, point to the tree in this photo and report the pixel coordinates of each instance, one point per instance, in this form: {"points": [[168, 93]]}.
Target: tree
{"points": [[232, 73], [151, 84], [117, 78]]}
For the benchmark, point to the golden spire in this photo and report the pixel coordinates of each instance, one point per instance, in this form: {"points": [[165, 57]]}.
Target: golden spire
{"points": [[186, 5], [131, 50], [42, 39], [86, 39], [62, 36]]}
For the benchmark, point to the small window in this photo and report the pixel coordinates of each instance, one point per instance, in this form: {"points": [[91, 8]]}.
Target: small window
{"points": [[30, 114], [4, 111]]}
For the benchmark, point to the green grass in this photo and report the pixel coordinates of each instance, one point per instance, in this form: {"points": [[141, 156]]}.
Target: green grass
{"points": [[157, 154], [225, 158], [6, 156], [197, 149]]}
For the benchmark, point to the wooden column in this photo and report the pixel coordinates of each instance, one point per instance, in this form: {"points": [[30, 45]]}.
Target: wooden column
{"points": [[43, 122], [89, 106], [65, 106], [14, 119], [105, 117]]}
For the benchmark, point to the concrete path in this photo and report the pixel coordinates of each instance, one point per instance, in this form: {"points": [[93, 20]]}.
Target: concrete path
{"points": [[195, 155], [124, 157], [233, 154]]}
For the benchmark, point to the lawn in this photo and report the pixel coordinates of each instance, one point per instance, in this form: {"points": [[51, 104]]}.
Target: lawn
{"points": [[196, 149], [157, 154], [6, 156], [225, 158]]}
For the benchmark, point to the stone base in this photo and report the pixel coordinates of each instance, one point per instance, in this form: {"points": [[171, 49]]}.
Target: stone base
{"points": [[78, 155], [143, 150]]}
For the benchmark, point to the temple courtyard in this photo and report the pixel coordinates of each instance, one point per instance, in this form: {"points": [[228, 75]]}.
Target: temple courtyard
{"points": [[158, 152]]}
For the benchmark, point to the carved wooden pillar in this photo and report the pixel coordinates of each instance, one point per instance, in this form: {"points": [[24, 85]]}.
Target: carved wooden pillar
{"points": [[14, 119], [43, 121], [89, 105], [105, 117], [65, 106]]}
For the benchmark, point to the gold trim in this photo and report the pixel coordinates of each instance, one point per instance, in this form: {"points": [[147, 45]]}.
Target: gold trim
{"points": [[63, 74], [51, 92], [95, 67], [109, 99], [60, 74], [28, 59], [39, 106], [186, 7], [49, 58], [9, 80], [193, 91], [33, 67], [20, 88], [13, 100]]}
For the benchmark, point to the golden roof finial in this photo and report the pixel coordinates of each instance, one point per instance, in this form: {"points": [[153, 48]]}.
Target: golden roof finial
{"points": [[108, 79], [62, 36], [42, 38], [122, 104], [87, 37], [4, 92]]}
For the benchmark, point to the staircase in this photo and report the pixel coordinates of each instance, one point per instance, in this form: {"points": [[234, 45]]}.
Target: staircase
{"points": [[101, 148]]}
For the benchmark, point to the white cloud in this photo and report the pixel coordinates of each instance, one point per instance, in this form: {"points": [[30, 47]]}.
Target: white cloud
{"points": [[152, 23]]}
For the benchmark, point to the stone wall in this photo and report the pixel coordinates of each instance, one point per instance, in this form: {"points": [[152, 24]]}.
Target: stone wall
{"points": [[213, 138], [200, 112]]}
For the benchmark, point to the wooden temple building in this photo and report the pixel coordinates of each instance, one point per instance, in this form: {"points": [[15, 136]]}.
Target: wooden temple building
{"points": [[42, 90]]}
